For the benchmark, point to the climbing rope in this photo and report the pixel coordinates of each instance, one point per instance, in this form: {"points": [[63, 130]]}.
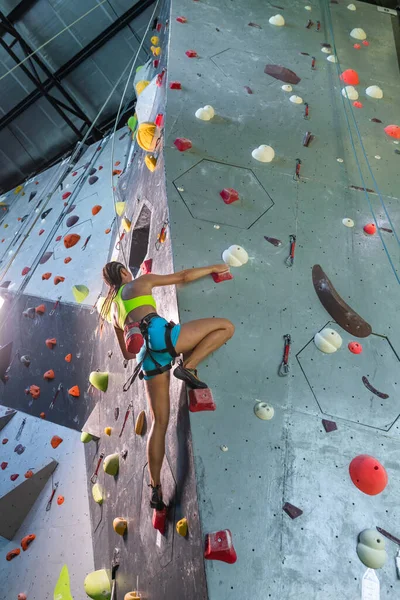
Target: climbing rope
{"points": [[338, 68]]}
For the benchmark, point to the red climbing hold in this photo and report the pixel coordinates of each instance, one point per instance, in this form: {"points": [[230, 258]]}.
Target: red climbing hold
{"points": [[68, 358], [181, 19], [74, 391], [355, 347], [58, 238], [28, 474], [34, 391], [58, 279], [159, 25], [41, 231], [156, 62], [393, 131], [350, 77], [49, 375], [71, 239], [159, 519], [60, 500], [370, 228], [357, 46], [51, 342], [218, 277], [25, 271], [42, 415], [41, 309], [357, 104], [248, 89], [4, 441], [159, 120], [74, 173], [201, 400], [175, 85], [182, 144], [14, 476], [292, 510], [13, 553], [4, 465], [191, 53], [146, 266], [219, 546], [55, 441], [67, 260], [46, 276], [66, 195], [366, 43], [229, 195], [368, 475]]}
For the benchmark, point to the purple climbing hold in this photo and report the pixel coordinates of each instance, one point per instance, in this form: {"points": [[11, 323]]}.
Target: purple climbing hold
{"points": [[92, 171], [282, 73], [45, 257], [292, 510], [5, 284], [20, 449], [329, 426], [71, 208], [93, 179], [72, 220]]}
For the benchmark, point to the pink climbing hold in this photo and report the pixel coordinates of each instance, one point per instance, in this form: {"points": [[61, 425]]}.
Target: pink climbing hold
{"points": [[159, 519], [393, 131], [229, 195], [355, 347], [366, 43], [350, 77], [191, 53], [201, 400], [175, 85], [219, 546], [182, 144], [66, 195], [181, 19], [370, 228], [357, 46], [146, 266], [357, 104], [41, 231], [219, 277]]}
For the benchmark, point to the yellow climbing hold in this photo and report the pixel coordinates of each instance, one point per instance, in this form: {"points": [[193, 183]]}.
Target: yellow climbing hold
{"points": [[154, 40], [97, 493], [145, 135], [120, 525], [126, 224], [107, 430], [99, 380], [18, 189], [141, 85], [156, 50], [182, 527], [120, 208], [151, 162], [131, 596], [62, 591], [80, 292], [97, 585]]}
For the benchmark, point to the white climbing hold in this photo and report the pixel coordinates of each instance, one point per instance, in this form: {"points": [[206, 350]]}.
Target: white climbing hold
{"points": [[352, 7], [350, 92], [374, 91], [307, 7], [277, 20], [326, 50], [358, 34], [263, 153], [328, 340], [296, 99], [332, 58], [224, 448], [264, 411], [217, 226], [377, 157], [205, 113], [340, 160], [348, 222], [235, 256], [287, 88]]}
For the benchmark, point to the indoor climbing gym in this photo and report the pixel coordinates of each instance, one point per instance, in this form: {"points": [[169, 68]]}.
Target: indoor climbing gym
{"points": [[199, 331]]}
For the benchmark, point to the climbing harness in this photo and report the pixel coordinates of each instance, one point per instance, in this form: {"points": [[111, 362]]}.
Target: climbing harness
{"points": [[48, 505], [306, 111], [296, 176], [60, 387], [290, 258], [93, 478], [143, 326], [21, 428], [53, 310], [127, 413], [284, 367], [162, 236]]}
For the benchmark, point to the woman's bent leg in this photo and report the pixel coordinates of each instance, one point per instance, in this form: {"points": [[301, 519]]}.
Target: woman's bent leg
{"points": [[201, 338]]}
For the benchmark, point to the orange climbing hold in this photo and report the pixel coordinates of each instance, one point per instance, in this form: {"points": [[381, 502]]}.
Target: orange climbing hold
{"points": [[60, 500], [56, 441], [12, 554], [42, 415], [107, 230], [28, 474], [393, 131], [117, 162], [117, 172], [67, 260], [58, 279], [34, 391], [96, 209], [41, 309], [51, 342], [49, 375], [74, 391], [46, 276], [27, 541], [350, 77], [68, 358], [71, 239]]}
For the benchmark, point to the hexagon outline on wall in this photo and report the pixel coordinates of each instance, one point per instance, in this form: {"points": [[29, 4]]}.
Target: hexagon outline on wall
{"points": [[332, 413], [266, 80], [219, 200]]}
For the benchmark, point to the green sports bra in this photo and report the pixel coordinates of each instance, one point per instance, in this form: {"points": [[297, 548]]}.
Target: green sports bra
{"points": [[126, 306]]}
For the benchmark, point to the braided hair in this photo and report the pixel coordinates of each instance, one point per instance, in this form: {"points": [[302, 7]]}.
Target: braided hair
{"points": [[113, 278]]}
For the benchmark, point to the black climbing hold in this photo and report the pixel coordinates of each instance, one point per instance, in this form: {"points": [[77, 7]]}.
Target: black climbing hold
{"points": [[45, 213], [282, 73], [31, 196], [72, 220], [93, 179], [5, 359], [45, 257], [92, 171]]}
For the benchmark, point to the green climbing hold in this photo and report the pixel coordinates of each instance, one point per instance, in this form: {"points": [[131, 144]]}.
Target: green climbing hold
{"points": [[132, 122], [97, 493], [99, 380], [111, 464], [86, 437], [62, 591], [97, 585], [138, 68], [80, 292]]}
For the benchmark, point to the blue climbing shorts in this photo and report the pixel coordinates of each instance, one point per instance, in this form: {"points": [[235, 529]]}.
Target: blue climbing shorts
{"points": [[156, 332]]}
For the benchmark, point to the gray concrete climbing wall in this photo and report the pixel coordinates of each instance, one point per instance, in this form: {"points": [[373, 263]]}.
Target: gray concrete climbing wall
{"points": [[290, 458]]}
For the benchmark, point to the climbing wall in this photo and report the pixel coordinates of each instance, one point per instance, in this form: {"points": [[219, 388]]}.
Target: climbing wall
{"points": [[247, 469]]}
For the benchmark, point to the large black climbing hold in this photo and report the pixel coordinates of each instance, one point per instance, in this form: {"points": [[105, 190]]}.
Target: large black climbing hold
{"points": [[341, 312], [45, 213], [45, 257], [93, 179], [24, 218], [92, 171], [72, 220], [282, 73], [5, 359], [31, 196], [70, 209]]}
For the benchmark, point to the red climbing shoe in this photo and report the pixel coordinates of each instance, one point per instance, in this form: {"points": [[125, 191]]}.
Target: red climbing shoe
{"points": [[156, 497], [189, 376]]}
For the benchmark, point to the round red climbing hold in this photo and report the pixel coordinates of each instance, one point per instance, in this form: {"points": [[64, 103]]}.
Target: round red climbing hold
{"points": [[368, 475], [350, 77], [4, 441], [99, 168], [28, 474], [370, 228], [60, 500], [357, 46], [366, 43], [357, 104], [355, 347], [74, 173], [393, 131]]}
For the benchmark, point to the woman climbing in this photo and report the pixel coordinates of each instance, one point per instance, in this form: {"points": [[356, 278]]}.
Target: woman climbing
{"points": [[144, 335]]}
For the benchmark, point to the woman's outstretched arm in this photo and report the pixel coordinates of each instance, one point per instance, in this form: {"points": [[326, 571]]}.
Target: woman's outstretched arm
{"points": [[181, 276]]}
